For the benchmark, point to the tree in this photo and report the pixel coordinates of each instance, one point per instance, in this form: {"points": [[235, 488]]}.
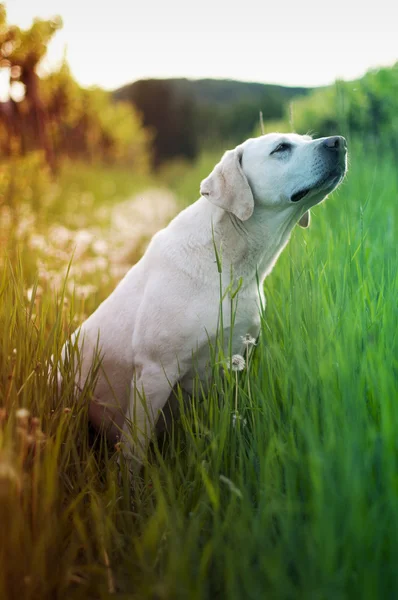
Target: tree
{"points": [[170, 117], [21, 51], [56, 115]]}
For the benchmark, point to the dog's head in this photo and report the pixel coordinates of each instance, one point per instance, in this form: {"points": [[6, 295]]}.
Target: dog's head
{"points": [[284, 172]]}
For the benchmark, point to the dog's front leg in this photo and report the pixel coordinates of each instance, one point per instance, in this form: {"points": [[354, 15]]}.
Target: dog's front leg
{"points": [[149, 393]]}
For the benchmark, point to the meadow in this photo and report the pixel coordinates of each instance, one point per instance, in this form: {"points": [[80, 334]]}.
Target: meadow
{"points": [[296, 498]]}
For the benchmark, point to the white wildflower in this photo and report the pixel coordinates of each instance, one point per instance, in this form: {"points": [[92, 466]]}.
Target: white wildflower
{"points": [[25, 224], [85, 290], [60, 235], [101, 263], [37, 242], [237, 363], [84, 237], [88, 266], [44, 274], [82, 240], [59, 254], [100, 246], [118, 271], [38, 294]]}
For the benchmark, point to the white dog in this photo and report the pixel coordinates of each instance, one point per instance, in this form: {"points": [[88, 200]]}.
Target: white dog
{"points": [[154, 329]]}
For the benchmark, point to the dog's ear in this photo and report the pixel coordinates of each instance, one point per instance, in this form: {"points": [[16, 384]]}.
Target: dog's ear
{"points": [[227, 186], [305, 220]]}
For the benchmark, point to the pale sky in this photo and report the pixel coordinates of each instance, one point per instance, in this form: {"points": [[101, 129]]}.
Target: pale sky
{"points": [[305, 42]]}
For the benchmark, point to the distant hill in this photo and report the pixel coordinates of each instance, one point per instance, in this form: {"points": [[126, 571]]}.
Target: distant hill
{"points": [[222, 92], [189, 114]]}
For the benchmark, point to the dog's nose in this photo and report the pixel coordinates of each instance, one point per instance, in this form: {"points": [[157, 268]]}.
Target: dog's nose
{"points": [[336, 142]]}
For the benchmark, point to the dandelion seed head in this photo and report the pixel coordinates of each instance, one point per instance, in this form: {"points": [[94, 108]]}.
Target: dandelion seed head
{"points": [[100, 246], [60, 235], [85, 290], [37, 242], [22, 414], [237, 363], [248, 340], [236, 417]]}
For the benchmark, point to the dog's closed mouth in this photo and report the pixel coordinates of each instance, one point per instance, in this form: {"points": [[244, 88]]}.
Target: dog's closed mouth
{"points": [[330, 181], [299, 195]]}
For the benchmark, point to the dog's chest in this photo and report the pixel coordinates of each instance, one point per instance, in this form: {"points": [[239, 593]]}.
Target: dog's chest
{"points": [[214, 345]]}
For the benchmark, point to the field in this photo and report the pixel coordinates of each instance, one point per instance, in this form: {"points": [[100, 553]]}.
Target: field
{"points": [[296, 499]]}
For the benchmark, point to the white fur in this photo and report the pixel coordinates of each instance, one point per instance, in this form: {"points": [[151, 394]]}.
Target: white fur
{"points": [[160, 317]]}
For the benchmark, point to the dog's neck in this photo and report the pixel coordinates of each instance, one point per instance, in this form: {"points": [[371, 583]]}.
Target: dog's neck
{"points": [[253, 247], [247, 250]]}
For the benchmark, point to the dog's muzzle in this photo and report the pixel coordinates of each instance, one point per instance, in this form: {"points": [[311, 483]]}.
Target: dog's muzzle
{"points": [[334, 151]]}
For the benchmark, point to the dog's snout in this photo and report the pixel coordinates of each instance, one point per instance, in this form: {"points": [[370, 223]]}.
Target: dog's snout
{"points": [[336, 142]]}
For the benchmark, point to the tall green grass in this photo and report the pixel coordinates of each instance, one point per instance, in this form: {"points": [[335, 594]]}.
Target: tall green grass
{"points": [[298, 499]]}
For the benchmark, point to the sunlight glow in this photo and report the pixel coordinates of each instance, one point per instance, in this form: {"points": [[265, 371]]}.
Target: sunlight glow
{"points": [[300, 43]]}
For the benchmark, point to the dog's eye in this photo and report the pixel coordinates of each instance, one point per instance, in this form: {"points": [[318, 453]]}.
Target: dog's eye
{"points": [[281, 148]]}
